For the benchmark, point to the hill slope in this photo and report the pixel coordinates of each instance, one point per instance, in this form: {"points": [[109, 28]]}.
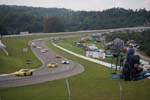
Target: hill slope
{"points": [[20, 18]]}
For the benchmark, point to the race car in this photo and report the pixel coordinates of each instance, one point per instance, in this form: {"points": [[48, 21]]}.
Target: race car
{"points": [[65, 61], [44, 50], [52, 65], [24, 72], [58, 56], [38, 47], [33, 45]]}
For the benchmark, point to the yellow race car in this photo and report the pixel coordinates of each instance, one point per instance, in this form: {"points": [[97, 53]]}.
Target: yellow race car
{"points": [[24, 72], [52, 65]]}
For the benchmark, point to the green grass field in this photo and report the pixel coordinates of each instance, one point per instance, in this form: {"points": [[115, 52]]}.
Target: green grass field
{"points": [[70, 45], [98, 82], [93, 84], [17, 58]]}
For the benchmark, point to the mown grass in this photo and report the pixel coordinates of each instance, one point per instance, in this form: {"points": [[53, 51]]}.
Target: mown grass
{"points": [[55, 90], [93, 84], [70, 45], [17, 58]]}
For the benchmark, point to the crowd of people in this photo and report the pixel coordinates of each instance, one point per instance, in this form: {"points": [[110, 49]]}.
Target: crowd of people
{"points": [[131, 62]]}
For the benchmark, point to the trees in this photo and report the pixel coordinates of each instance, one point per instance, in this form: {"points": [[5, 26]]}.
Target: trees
{"points": [[53, 24], [21, 18], [3, 31], [144, 40]]}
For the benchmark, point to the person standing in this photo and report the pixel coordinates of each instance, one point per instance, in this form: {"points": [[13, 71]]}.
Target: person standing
{"points": [[130, 59], [131, 50]]}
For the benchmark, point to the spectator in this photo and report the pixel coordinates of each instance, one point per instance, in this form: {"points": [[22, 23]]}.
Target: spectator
{"points": [[131, 50]]}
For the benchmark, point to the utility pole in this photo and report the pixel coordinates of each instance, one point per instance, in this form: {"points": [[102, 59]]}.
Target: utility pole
{"points": [[68, 89], [120, 89]]}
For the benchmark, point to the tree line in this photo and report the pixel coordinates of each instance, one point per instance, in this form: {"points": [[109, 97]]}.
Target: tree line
{"points": [[15, 19]]}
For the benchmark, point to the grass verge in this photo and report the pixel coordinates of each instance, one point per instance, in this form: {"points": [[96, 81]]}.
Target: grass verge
{"points": [[93, 84], [16, 59], [70, 45]]}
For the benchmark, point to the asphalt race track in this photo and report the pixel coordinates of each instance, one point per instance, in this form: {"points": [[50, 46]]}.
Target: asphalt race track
{"points": [[43, 73]]}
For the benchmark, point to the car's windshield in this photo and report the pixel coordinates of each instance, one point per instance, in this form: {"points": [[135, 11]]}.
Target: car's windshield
{"points": [[24, 70]]}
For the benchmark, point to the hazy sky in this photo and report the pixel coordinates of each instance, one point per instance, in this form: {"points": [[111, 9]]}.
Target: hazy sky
{"points": [[82, 4]]}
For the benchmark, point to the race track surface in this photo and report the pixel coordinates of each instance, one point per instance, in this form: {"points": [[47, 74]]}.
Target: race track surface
{"points": [[43, 73]]}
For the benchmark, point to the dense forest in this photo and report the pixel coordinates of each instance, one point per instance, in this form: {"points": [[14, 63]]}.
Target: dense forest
{"points": [[15, 19], [141, 38]]}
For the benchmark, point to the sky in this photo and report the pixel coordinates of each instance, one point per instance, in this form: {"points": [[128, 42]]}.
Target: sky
{"points": [[87, 5]]}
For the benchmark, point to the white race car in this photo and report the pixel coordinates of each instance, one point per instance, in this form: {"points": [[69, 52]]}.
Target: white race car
{"points": [[38, 47], [44, 50], [65, 61]]}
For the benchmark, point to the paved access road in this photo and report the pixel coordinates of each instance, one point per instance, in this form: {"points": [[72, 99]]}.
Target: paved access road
{"points": [[43, 73]]}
